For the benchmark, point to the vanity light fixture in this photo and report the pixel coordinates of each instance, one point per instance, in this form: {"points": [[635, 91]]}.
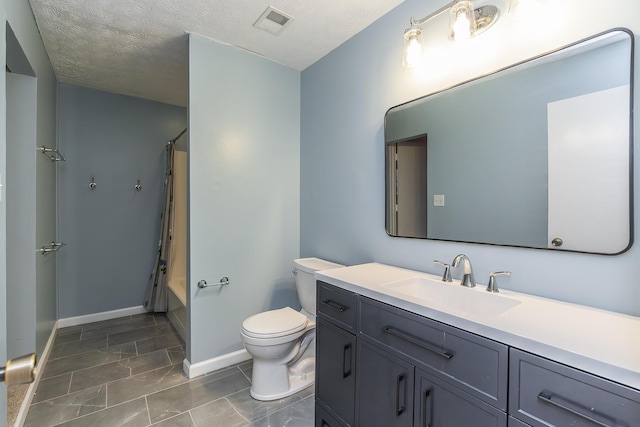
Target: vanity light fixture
{"points": [[464, 22]]}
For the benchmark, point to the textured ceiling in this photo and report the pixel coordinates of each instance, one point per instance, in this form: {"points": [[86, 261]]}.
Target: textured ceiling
{"points": [[139, 48]]}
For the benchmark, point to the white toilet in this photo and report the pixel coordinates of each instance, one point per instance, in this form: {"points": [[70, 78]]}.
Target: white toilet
{"points": [[282, 342]]}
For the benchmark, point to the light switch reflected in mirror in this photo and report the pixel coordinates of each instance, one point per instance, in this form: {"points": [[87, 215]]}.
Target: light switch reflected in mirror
{"points": [[542, 159]]}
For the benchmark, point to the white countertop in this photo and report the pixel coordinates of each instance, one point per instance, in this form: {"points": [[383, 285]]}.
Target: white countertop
{"points": [[600, 342]]}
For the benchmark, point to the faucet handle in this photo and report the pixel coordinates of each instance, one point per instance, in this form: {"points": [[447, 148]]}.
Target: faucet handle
{"points": [[446, 276], [493, 282]]}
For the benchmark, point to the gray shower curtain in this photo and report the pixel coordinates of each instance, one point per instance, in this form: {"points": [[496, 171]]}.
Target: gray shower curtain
{"points": [[156, 297]]}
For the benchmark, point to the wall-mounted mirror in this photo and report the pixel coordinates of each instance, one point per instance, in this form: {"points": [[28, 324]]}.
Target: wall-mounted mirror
{"points": [[535, 155]]}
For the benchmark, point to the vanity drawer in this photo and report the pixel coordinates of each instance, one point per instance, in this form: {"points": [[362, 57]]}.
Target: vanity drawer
{"points": [[336, 305], [544, 393], [474, 364]]}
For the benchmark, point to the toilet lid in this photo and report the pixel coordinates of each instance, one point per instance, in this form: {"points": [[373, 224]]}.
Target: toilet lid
{"points": [[274, 323]]}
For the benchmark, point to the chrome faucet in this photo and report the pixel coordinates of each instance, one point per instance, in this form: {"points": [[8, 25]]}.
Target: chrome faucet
{"points": [[467, 278]]}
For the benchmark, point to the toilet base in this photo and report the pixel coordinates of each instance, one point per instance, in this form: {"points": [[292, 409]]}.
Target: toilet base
{"points": [[283, 382]]}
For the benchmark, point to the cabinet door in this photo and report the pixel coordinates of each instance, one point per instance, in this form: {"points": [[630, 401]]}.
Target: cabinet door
{"points": [[439, 404], [384, 389], [335, 369]]}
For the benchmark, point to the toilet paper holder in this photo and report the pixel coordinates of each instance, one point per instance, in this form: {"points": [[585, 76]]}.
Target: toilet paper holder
{"points": [[223, 282]]}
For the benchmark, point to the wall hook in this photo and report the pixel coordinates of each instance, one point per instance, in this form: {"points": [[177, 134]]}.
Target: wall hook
{"points": [[92, 184], [138, 187]]}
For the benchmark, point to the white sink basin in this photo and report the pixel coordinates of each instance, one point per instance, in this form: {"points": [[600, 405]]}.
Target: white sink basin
{"points": [[453, 297]]}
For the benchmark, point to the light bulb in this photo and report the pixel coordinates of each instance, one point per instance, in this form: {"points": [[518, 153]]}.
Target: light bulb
{"points": [[462, 22], [412, 55], [461, 29]]}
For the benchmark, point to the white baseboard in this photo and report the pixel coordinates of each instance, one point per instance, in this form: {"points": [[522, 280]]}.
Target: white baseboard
{"points": [[97, 317], [210, 365], [28, 398], [64, 323]]}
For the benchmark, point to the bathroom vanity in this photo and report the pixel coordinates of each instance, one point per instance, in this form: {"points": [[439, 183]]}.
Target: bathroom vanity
{"points": [[397, 347]]}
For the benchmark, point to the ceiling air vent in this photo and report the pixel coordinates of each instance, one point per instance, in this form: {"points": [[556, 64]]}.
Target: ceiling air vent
{"points": [[273, 21]]}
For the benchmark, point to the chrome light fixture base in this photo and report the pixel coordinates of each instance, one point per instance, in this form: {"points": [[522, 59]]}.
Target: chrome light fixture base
{"points": [[486, 16]]}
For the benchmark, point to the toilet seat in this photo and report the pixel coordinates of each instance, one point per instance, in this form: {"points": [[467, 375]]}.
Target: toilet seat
{"points": [[274, 323]]}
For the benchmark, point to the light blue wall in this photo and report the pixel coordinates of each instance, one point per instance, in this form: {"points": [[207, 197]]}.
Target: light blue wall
{"points": [[19, 16], [344, 98], [111, 232], [21, 214], [244, 175]]}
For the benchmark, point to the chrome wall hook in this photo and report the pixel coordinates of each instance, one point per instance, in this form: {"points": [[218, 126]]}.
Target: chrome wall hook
{"points": [[52, 154], [51, 247], [138, 187], [92, 184]]}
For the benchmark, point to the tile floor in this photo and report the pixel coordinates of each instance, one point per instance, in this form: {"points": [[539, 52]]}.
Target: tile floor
{"points": [[128, 372]]}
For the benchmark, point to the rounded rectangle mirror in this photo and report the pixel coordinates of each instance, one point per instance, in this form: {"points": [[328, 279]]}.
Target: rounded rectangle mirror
{"points": [[536, 155]]}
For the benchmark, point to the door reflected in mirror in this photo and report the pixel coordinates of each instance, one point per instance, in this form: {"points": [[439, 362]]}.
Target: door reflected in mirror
{"points": [[536, 155]]}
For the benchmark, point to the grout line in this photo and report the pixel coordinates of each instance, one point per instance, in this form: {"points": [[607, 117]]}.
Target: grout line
{"points": [[245, 375], [76, 354], [146, 402], [70, 382]]}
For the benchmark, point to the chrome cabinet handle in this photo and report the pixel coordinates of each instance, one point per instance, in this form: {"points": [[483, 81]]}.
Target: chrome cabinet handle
{"points": [[546, 398], [427, 346], [334, 305]]}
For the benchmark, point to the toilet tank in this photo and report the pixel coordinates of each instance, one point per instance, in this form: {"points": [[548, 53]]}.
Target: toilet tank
{"points": [[303, 268]]}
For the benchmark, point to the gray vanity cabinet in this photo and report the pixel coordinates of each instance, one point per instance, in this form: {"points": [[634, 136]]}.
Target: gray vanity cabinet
{"points": [[335, 357], [384, 388], [380, 365], [377, 365]]}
